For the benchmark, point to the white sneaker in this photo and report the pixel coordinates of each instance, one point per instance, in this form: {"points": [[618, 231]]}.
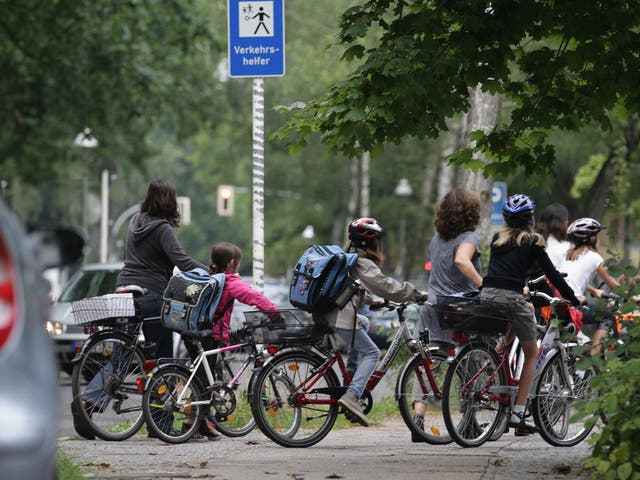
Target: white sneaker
{"points": [[351, 403]]}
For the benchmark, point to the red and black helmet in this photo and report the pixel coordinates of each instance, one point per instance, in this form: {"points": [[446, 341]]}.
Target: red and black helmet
{"points": [[363, 229]]}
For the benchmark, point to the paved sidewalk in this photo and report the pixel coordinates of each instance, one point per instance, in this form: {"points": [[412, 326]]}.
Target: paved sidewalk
{"points": [[353, 454]]}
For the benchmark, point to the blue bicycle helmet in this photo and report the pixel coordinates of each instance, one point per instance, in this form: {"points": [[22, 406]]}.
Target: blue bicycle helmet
{"points": [[518, 211]]}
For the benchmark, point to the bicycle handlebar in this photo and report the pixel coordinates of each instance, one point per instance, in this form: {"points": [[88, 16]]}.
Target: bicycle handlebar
{"points": [[548, 298]]}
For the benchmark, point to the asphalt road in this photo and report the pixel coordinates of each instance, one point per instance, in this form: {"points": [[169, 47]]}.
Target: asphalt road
{"points": [[379, 452]]}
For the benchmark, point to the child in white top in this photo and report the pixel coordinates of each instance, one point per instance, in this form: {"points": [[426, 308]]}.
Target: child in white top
{"points": [[581, 265]]}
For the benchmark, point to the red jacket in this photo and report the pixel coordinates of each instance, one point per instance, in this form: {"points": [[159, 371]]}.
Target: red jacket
{"points": [[236, 289]]}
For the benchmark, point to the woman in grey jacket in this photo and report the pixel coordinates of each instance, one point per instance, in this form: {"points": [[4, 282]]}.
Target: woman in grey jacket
{"points": [[151, 252], [365, 236]]}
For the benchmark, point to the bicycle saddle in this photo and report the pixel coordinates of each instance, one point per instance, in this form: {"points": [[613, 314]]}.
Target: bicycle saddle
{"points": [[136, 290]]}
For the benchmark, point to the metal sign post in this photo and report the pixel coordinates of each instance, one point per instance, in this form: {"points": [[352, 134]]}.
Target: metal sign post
{"points": [[256, 49]]}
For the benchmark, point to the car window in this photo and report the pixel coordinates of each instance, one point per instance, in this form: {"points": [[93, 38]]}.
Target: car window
{"points": [[90, 283]]}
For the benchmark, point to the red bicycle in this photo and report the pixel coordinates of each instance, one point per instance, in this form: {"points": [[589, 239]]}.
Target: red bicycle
{"points": [[294, 399]]}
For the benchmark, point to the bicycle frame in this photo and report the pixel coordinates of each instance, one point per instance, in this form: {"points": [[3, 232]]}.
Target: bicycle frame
{"points": [[200, 360], [505, 394], [400, 338]]}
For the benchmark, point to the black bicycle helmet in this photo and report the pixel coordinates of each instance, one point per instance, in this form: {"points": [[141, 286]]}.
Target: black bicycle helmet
{"points": [[582, 229], [518, 210], [363, 229]]}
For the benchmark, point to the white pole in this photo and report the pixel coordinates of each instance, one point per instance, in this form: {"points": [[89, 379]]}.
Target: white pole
{"points": [[104, 220], [364, 189], [258, 184]]}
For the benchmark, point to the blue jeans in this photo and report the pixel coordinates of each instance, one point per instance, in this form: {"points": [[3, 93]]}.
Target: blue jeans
{"points": [[369, 354]]}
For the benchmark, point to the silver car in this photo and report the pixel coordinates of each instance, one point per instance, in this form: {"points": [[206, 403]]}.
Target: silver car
{"points": [[28, 373], [90, 281]]}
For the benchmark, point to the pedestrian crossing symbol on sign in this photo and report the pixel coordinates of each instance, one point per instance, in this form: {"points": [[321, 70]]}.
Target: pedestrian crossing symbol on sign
{"points": [[255, 19]]}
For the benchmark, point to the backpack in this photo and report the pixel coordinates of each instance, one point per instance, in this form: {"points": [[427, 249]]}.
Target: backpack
{"points": [[321, 280], [191, 299]]}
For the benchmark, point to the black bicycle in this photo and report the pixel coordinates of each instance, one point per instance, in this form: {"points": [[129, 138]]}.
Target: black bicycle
{"points": [[109, 373]]}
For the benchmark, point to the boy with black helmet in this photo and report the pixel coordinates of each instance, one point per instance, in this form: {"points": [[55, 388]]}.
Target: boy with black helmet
{"points": [[514, 251]]}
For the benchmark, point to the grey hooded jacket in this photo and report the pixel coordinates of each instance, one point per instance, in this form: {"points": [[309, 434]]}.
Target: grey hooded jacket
{"points": [[151, 251]]}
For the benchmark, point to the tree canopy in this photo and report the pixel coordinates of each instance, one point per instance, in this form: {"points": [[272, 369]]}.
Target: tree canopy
{"points": [[561, 65], [117, 67]]}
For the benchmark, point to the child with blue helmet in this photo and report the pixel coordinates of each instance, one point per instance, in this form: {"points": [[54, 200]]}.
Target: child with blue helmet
{"points": [[515, 250]]}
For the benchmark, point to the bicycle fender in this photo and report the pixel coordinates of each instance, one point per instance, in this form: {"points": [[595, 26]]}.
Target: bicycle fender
{"points": [[96, 337]]}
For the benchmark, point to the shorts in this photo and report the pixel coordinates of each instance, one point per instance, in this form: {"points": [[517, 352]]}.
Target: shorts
{"points": [[522, 317]]}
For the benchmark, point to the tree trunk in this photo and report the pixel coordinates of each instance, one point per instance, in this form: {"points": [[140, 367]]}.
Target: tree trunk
{"points": [[483, 115]]}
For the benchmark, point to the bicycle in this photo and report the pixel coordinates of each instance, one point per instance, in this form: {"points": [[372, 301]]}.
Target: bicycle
{"points": [[294, 398], [108, 374], [175, 401], [479, 388]]}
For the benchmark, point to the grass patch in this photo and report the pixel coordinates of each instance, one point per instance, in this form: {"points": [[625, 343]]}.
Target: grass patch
{"points": [[384, 409], [66, 469]]}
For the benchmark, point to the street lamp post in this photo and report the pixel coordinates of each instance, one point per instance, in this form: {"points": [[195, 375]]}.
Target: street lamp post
{"points": [[402, 190], [85, 140]]}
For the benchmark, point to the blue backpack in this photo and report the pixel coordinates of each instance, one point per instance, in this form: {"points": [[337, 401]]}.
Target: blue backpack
{"points": [[191, 299], [321, 280]]}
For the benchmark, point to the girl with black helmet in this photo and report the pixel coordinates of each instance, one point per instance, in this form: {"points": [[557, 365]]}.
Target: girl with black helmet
{"points": [[581, 265], [364, 238], [514, 251]]}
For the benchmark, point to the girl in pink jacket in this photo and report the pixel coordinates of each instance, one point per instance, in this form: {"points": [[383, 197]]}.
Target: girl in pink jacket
{"points": [[226, 257]]}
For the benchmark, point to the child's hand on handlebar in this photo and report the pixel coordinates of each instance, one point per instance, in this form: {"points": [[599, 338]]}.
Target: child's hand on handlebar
{"points": [[377, 305]]}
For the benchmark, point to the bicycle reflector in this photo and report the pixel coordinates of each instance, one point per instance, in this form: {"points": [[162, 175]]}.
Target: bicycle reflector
{"points": [[8, 302]]}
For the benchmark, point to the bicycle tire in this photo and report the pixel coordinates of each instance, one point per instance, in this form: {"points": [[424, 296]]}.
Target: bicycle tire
{"points": [[413, 385], [108, 385], [553, 407], [166, 419], [240, 422], [470, 414], [289, 421]]}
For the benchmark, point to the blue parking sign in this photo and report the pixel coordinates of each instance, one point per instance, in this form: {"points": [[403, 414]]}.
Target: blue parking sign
{"points": [[256, 38], [498, 197]]}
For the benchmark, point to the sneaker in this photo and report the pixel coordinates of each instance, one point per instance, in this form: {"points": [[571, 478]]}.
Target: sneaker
{"points": [[208, 429], [350, 402], [418, 421], [197, 437], [521, 426]]}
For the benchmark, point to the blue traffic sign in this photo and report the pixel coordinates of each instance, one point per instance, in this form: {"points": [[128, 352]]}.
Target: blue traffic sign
{"points": [[256, 38], [498, 197]]}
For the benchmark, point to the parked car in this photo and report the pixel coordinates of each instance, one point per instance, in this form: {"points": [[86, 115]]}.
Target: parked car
{"points": [[90, 281], [28, 374]]}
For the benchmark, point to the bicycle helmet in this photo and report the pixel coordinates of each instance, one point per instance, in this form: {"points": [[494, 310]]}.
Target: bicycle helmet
{"points": [[518, 210], [582, 229], [363, 229]]}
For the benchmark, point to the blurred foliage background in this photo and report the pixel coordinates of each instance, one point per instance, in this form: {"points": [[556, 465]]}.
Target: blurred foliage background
{"points": [[149, 79]]}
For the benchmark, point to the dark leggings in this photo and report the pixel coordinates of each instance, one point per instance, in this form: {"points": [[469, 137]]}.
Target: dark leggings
{"points": [[151, 306]]}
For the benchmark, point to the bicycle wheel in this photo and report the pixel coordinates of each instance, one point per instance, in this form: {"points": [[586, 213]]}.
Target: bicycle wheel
{"points": [[553, 404], [414, 386], [107, 381], [170, 419], [240, 421], [287, 407], [471, 410]]}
